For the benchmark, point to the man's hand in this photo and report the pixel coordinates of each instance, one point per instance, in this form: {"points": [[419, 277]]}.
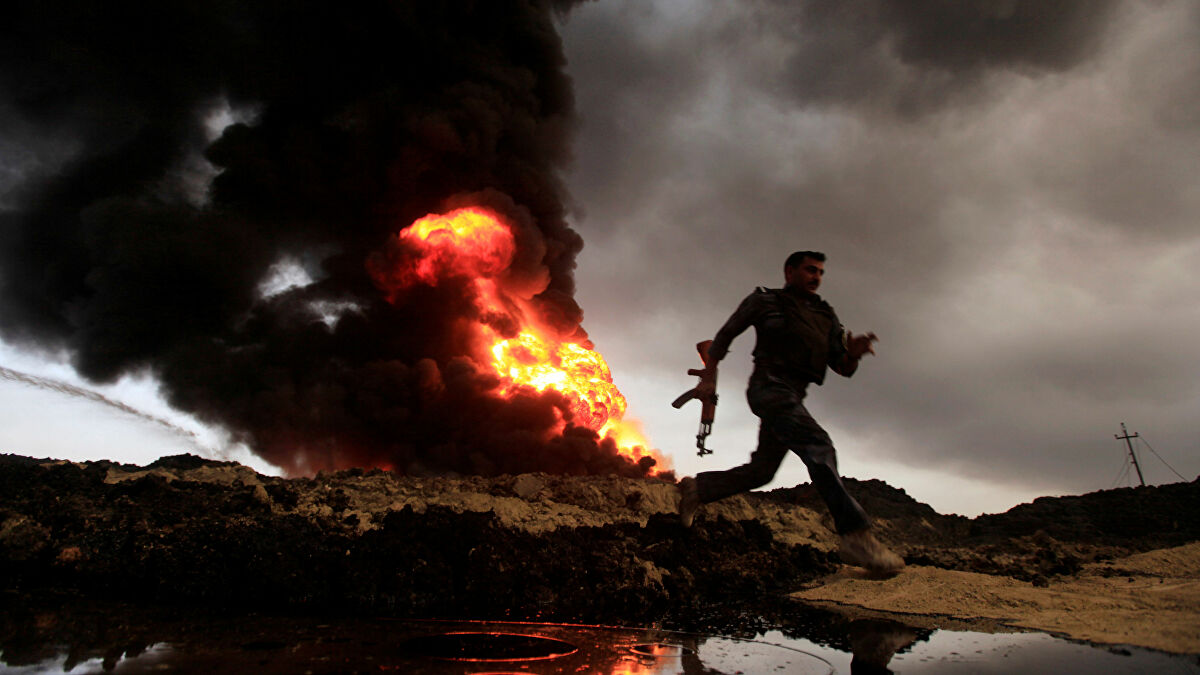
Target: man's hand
{"points": [[858, 346], [706, 392], [707, 388]]}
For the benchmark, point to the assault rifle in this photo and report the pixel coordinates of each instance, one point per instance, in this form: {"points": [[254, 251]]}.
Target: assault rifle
{"points": [[708, 410]]}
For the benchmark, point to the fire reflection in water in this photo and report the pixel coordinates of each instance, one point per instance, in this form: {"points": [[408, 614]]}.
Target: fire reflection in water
{"points": [[126, 640], [263, 645], [564, 648]]}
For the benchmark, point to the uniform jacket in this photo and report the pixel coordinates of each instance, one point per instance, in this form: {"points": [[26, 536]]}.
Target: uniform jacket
{"points": [[798, 334]]}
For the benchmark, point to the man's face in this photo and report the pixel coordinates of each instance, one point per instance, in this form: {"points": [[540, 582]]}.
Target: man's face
{"points": [[806, 276]]}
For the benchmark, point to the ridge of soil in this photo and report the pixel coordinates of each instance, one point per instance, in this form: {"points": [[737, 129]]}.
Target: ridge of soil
{"points": [[1035, 542], [187, 531]]}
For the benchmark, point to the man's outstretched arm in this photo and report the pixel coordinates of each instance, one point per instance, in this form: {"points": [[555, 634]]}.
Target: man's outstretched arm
{"points": [[857, 346]]}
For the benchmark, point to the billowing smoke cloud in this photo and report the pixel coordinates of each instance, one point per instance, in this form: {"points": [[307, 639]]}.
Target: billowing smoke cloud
{"points": [[172, 156]]}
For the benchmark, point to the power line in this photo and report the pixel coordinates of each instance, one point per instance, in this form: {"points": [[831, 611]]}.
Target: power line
{"points": [[1120, 474], [1122, 470], [1127, 437], [1147, 443]]}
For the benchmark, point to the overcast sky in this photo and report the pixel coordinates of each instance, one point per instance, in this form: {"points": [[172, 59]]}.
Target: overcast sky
{"points": [[1007, 195], [1012, 209]]}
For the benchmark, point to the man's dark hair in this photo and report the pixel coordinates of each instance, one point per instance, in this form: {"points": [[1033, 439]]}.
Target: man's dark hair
{"points": [[798, 257]]}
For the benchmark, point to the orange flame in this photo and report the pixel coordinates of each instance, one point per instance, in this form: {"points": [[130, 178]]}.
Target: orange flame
{"points": [[475, 242], [469, 240]]}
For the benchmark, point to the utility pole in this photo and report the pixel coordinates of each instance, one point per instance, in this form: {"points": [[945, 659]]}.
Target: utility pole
{"points": [[1132, 456]]}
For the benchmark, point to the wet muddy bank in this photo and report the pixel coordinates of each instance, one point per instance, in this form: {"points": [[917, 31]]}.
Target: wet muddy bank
{"points": [[778, 636], [33, 628]]}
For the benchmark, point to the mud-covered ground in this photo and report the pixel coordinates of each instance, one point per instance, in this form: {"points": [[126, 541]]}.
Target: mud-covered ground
{"points": [[191, 532], [559, 548], [1148, 599]]}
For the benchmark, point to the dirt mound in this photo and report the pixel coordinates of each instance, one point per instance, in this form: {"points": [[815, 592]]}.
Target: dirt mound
{"points": [[563, 548], [603, 549], [1145, 517], [1052, 536]]}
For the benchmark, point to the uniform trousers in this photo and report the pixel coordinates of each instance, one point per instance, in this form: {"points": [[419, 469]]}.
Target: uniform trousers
{"points": [[786, 425]]}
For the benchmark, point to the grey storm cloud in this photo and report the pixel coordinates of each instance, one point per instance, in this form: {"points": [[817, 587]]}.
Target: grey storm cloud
{"points": [[1005, 189], [913, 56]]}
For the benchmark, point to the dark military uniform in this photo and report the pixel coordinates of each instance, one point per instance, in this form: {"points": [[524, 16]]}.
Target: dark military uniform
{"points": [[799, 336]]}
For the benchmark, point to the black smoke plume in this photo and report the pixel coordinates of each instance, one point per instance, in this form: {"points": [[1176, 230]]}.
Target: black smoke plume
{"points": [[140, 225]]}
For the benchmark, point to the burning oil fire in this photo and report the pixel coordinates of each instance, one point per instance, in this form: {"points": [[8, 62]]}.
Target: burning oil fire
{"points": [[479, 245]]}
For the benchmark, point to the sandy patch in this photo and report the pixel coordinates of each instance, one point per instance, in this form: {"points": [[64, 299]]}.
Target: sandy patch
{"points": [[535, 503], [1149, 600]]}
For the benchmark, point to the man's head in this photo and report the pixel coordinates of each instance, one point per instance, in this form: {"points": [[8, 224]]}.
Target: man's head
{"points": [[803, 270]]}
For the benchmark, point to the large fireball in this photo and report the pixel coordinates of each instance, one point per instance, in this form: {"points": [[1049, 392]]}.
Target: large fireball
{"points": [[478, 245]]}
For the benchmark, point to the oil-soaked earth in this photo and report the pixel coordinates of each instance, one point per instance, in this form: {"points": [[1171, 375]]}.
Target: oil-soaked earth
{"points": [[186, 531]]}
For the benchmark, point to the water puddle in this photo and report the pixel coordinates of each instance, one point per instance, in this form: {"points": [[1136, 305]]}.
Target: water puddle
{"points": [[428, 648], [975, 653], [151, 641]]}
